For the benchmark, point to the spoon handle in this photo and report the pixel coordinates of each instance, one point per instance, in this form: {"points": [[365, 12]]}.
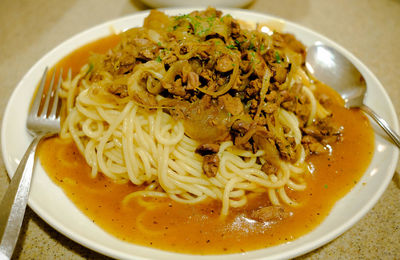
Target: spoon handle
{"points": [[385, 126]]}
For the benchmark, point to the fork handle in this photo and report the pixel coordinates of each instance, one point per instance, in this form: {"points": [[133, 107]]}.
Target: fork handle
{"points": [[13, 204]]}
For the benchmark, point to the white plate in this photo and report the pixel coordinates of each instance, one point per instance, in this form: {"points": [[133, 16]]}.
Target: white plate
{"points": [[50, 203], [187, 3]]}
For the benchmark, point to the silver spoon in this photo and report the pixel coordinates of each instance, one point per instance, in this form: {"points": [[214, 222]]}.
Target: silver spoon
{"points": [[332, 68]]}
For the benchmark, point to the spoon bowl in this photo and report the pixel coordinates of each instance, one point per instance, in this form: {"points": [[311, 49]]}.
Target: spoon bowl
{"points": [[335, 70]]}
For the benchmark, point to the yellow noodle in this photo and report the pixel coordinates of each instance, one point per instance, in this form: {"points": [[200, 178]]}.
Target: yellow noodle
{"points": [[127, 141]]}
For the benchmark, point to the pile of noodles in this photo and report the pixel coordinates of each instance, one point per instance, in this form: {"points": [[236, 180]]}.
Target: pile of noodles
{"points": [[130, 142]]}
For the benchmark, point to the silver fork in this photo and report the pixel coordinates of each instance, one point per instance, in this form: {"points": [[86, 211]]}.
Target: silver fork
{"points": [[13, 204]]}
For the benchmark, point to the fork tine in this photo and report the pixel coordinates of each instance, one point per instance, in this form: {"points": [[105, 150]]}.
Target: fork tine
{"points": [[47, 100], [53, 113], [38, 98]]}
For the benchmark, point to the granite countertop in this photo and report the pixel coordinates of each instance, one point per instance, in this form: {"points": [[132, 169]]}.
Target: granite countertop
{"points": [[367, 28]]}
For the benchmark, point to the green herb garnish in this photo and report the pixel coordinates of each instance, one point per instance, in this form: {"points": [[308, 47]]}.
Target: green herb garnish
{"points": [[181, 17], [277, 57], [91, 67], [252, 47]]}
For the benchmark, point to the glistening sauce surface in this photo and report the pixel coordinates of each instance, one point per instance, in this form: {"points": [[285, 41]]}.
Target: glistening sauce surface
{"points": [[197, 229]]}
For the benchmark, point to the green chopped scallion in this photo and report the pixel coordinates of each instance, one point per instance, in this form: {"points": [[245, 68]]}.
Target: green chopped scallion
{"points": [[181, 17], [277, 57], [252, 47], [91, 67]]}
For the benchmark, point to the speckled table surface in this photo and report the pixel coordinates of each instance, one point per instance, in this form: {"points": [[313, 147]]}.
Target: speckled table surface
{"points": [[367, 28]]}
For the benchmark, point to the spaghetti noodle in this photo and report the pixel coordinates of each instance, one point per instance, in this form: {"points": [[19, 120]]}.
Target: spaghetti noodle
{"points": [[144, 112]]}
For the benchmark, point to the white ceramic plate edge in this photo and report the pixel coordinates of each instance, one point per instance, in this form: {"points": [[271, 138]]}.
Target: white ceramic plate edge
{"points": [[67, 47]]}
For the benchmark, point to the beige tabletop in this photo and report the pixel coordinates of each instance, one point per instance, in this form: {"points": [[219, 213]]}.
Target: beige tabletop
{"points": [[370, 29]]}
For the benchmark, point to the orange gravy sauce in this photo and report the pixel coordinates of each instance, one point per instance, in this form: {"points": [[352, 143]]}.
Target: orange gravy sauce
{"points": [[197, 229]]}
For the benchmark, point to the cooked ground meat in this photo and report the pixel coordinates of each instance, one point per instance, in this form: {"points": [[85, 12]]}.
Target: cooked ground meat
{"points": [[175, 88], [210, 165], [119, 90], [206, 149], [312, 145], [269, 169], [231, 104], [286, 148], [279, 72], [253, 88], [193, 81], [260, 67], [323, 131], [270, 107], [319, 134], [270, 213], [241, 126], [224, 63]]}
